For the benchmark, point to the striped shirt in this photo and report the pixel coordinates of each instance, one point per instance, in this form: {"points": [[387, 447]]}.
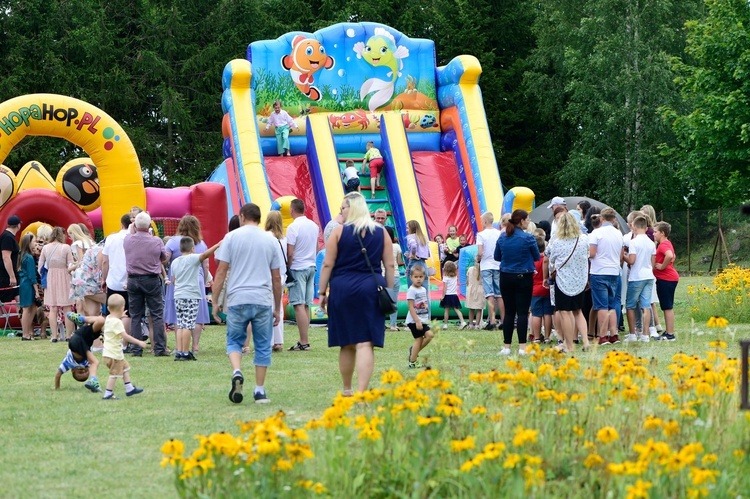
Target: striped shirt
{"points": [[69, 363]]}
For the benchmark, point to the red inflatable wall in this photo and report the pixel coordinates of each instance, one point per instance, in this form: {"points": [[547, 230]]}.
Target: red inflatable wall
{"points": [[208, 202]]}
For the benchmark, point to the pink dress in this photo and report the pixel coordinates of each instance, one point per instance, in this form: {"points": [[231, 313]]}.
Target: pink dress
{"points": [[57, 256]]}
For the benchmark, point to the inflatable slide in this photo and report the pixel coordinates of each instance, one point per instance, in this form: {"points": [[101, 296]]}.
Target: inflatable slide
{"points": [[345, 86]]}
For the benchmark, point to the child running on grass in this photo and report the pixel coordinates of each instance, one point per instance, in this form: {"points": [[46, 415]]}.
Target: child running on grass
{"points": [[187, 293], [114, 334], [80, 361], [418, 318], [450, 294]]}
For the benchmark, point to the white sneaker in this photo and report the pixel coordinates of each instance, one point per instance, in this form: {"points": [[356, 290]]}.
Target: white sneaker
{"points": [[522, 353], [630, 338], [653, 332], [445, 326], [505, 351], [462, 326], [643, 339]]}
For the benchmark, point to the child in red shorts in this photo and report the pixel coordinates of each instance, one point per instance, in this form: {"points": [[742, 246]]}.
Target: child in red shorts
{"points": [[375, 161]]}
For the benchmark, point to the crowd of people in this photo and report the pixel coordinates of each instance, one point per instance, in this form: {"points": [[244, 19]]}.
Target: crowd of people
{"points": [[572, 277]]}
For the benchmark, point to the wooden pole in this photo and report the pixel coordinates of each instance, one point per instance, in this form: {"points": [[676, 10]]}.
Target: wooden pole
{"points": [[690, 268]]}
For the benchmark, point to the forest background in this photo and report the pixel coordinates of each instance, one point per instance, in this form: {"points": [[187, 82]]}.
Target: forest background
{"points": [[625, 101]]}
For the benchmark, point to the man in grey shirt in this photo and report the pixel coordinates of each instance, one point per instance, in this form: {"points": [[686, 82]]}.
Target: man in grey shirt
{"points": [[254, 286]]}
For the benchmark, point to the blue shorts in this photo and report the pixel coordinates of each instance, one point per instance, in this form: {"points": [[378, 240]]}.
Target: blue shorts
{"points": [[491, 283], [261, 317], [665, 291], [639, 294], [541, 306], [302, 291], [604, 291], [352, 184]]}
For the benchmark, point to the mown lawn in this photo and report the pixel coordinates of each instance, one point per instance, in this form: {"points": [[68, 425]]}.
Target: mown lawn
{"points": [[58, 443]]}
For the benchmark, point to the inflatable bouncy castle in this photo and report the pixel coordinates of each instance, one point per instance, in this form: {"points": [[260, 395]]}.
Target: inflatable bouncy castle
{"points": [[344, 86]]}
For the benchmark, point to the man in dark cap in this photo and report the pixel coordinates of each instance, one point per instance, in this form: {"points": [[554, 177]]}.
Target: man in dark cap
{"points": [[8, 271]]}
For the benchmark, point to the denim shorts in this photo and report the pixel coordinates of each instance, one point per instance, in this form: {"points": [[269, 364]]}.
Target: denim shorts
{"points": [[261, 317], [541, 306], [639, 294], [604, 292], [302, 291], [491, 283]]}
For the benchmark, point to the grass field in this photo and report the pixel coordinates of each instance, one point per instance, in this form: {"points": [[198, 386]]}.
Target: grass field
{"points": [[58, 443]]}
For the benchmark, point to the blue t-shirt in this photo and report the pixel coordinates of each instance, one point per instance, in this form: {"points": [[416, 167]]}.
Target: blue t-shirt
{"points": [[516, 253]]}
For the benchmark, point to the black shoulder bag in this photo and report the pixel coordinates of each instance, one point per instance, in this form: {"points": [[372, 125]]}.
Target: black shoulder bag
{"points": [[387, 298]]}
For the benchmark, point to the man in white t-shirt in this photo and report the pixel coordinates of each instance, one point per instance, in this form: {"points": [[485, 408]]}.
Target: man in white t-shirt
{"points": [[254, 286], [114, 270], [605, 253], [641, 253], [486, 242], [302, 250]]}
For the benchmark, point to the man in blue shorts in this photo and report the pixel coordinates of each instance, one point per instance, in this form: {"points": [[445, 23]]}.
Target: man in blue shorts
{"points": [[254, 286], [490, 268], [302, 250], [606, 253]]}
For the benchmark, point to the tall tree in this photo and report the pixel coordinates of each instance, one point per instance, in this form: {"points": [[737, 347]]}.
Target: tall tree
{"points": [[714, 130], [613, 60]]}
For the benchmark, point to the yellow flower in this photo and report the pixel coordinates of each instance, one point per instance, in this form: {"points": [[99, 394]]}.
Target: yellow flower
{"points": [[562, 412], [532, 460], [319, 488], [739, 454], [305, 484], [593, 461], [717, 344], [479, 410], [709, 459], [467, 466], [523, 436], [607, 435], [511, 461], [716, 321], [651, 423], [391, 377], [671, 428], [639, 490], [173, 448], [700, 476], [284, 465], [578, 431], [462, 445], [497, 417], [697, 493], [616, 468], [665, 398], [533, 476], [425, 421], [448, 410]]}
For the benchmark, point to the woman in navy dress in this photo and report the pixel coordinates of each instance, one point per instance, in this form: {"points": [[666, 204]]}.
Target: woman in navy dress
{"points": [[355, 323]]}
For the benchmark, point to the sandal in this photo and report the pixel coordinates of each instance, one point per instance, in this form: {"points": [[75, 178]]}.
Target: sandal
{"points": [[394, 329], [300, 347], [278, 347]]}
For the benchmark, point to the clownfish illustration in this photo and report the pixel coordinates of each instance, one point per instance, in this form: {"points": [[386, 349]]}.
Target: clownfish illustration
{"points": [[381, 51], [81, 184], [308, 56]]}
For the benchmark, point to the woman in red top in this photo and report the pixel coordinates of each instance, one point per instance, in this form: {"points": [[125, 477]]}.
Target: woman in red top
{"points": [[666, 276]]}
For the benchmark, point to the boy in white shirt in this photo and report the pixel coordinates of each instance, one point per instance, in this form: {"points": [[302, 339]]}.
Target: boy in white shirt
{"points": [[641, 252], [187, 293], [351, 177]]}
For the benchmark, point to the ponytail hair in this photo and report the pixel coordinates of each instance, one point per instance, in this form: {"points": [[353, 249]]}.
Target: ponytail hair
{"points": [[516, 218]]}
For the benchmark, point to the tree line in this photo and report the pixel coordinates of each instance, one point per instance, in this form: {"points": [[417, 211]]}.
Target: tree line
{"points": [[626, 101]]}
